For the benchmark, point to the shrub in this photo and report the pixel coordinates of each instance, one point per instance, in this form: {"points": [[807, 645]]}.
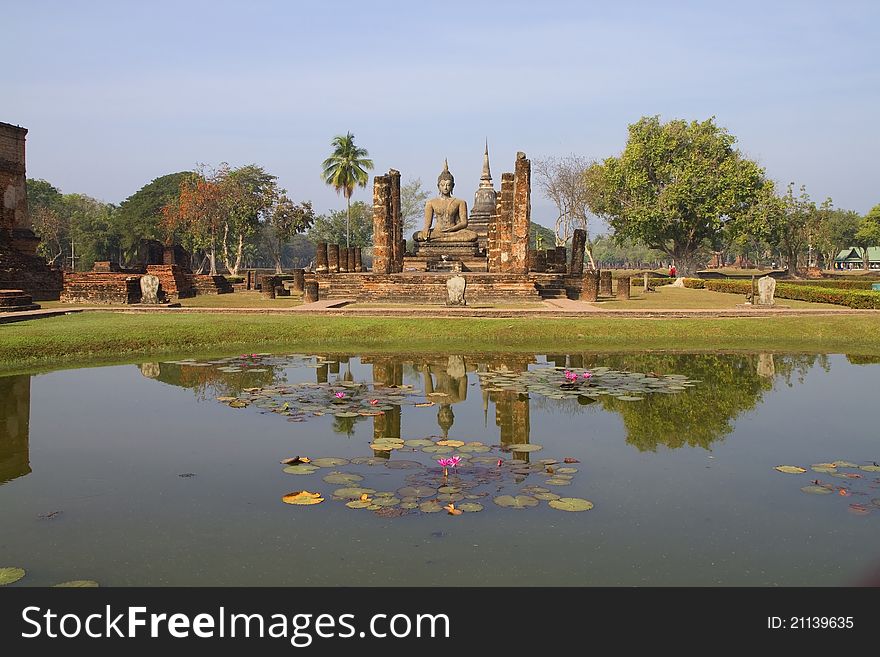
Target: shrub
{"points": [[861, 299]]}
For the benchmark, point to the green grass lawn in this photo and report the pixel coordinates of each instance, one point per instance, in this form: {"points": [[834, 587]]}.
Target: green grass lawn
{"points": [[246, 299], [687, 298], [102, 338]]}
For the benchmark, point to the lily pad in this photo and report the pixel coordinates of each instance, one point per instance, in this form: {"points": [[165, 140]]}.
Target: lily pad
{"points": [[329, 462], [824, 469], [450, 497], [476, 449], [438, 449], [870, 468], [418, 442], [302, 469], [346, 414], [449, 489], [403, 465], [844, 464], [386, 501], [571, 504], [11, 575], [450, 443], [518, 502], [417, 491], [817, 490], [360, 504], [470, 507], [790, 469], [525, 447], [342, 478], [391, 512], [545, 497], [431, 506], [77, 584], [556, 481], [302, 497], [352, 493], [368, 460], [566, 470]]}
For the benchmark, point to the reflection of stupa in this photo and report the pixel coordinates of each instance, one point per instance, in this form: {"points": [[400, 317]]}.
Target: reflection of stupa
{"points": [[512, 408], [15, 411]]}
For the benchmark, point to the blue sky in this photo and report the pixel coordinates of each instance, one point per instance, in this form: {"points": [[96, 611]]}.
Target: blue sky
{"points": [[117, 93]]}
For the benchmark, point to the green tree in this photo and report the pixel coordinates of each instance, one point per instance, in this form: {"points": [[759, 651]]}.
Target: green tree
{"points": [[833, 231], [249, 195], [50, 221], [357, 222], [92, 229], [140, 215], [674, 187], [562, 180], [346, 167], [286, 220], [868, 234], [412, 203]]}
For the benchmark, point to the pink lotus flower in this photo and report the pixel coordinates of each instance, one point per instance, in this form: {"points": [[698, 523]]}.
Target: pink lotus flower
{"points": [[340, 395], [586, 375], [373, 402], [450, 462]]}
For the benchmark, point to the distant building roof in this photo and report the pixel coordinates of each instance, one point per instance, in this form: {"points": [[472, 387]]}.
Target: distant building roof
{"points": [[855, 254]]}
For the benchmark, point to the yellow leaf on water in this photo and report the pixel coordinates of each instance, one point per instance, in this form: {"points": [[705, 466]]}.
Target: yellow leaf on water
{"points": [[790, 469], [302, 497], [450, 443]]}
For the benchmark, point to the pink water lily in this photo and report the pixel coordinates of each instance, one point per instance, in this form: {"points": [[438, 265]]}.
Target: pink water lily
{"points": [[373, 402], [340, 395], [447, 463], [586, 375]]}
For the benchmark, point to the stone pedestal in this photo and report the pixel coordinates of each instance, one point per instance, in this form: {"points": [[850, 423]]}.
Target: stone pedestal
{"points": [[16, 300], [623, 284], [590, 288], [605, 289], [310, 292], [267, 286], [358, 262], [321, 258], [332, 258], [299, 279]]}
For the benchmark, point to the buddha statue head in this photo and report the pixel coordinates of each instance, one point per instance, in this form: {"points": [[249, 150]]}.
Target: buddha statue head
{"points": [[445, 181]]}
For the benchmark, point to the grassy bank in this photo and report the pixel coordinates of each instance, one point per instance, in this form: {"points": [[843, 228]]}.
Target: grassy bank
{"points": [[98, 338]]}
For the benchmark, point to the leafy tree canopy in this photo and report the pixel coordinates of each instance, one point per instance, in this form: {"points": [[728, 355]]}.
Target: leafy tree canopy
{"points": [[331, 228]]}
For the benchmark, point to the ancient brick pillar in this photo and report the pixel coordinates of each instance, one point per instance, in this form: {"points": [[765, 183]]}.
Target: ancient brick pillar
{"points": [[521, 215], [505, 222], [623, 288], [605, 283], [561, 259], [492, 251], [540, 261], [578, 246], [299, 280], [321, 258], [351, 259], [358, 262], [590, 289], [343, 259], [310, 291], [383, 237], [332, 258], [396, 222], [267, 286], [321, 371]]}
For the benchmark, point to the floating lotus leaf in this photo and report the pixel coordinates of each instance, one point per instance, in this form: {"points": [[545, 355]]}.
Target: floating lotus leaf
{"points": [[438, 449], [10, 575], [424, 404], [518, 502], [238, 404], [374, 507], [870, 468], [342, 478], [404, 465], [548, 461], [301, 469], [824, 469], [329, 462], [561, 476], [390, 512], [409, 505], [470, 507], [417, 491], [484, 460], [224, 400], [524, 447], [418, 442], [789, 469], [450, 443], [529, 490], [844, 464], [386, 501], [556, 481], [450, 497], [566, 470], [477, 449], [353, 492], [571, 504], [77, 584], [437, 394], [818, 490], [449, 489], [368, 460], [824, 465], [346, 414], [371, 413], [384, 447], [302, 497], [431, 506], [360, 504], [545, 497]]}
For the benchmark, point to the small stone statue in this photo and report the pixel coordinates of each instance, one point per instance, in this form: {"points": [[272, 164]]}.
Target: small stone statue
{"points": [[149, 289], [450, 213], [455, 287]]}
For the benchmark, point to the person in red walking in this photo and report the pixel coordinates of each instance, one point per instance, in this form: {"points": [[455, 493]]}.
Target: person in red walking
{"points": [[671, 271]]}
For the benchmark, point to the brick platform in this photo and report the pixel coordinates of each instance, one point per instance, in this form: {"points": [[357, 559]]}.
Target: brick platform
{"points": [[16, 301], [95, 287]]}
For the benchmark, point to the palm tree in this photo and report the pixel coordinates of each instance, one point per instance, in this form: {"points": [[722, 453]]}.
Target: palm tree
{"points": [[346, 167]]}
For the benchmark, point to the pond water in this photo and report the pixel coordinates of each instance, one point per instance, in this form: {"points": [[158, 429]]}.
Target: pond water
{"points": [[170, 473]]}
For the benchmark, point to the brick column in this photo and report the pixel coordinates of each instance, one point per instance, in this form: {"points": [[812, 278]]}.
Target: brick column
{"points": [[605, 283], [383, 248], [358, 262], [505, 222], [623, 288], [396, 222], [299, 279], [321, 258], [492, 247], [310, 292], [590, 289], [343, 259], [561, 259], [267, 286], [521, 215], [578, 246], [540, 261], [332, 258]]}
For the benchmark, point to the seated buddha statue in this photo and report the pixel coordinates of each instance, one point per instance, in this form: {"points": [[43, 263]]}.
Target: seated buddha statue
{"points": [[450, 214]]}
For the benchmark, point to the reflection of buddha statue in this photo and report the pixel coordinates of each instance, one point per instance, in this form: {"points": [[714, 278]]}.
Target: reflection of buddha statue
{"points": [[451, 380], [450, 214]]}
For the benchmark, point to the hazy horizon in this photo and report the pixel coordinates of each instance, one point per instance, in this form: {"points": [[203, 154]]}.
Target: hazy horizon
{"points": [[117, 94]]}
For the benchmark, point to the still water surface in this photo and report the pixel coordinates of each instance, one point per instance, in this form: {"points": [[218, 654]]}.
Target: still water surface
{"points": [[682, 481]]}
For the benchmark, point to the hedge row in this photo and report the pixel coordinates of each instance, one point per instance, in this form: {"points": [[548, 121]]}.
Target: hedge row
{"points": [[837, 285], [862, 299]]}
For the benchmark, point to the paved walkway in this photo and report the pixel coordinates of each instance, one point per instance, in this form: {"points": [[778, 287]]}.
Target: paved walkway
{"points": [[548, 309]]}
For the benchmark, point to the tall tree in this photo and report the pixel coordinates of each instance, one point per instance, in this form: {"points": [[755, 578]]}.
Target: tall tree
{"points": [[196, 216], [674, 187], [286, 220], [562, 181], [412, 202], [248, 195], [346, 167], [333, 227], [868, 234], [140, 215]]}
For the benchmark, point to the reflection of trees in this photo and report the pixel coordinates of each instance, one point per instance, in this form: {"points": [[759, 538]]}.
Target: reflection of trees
{"points": [[15, 412], [209, 381], [730, 385], [863, 360]]}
